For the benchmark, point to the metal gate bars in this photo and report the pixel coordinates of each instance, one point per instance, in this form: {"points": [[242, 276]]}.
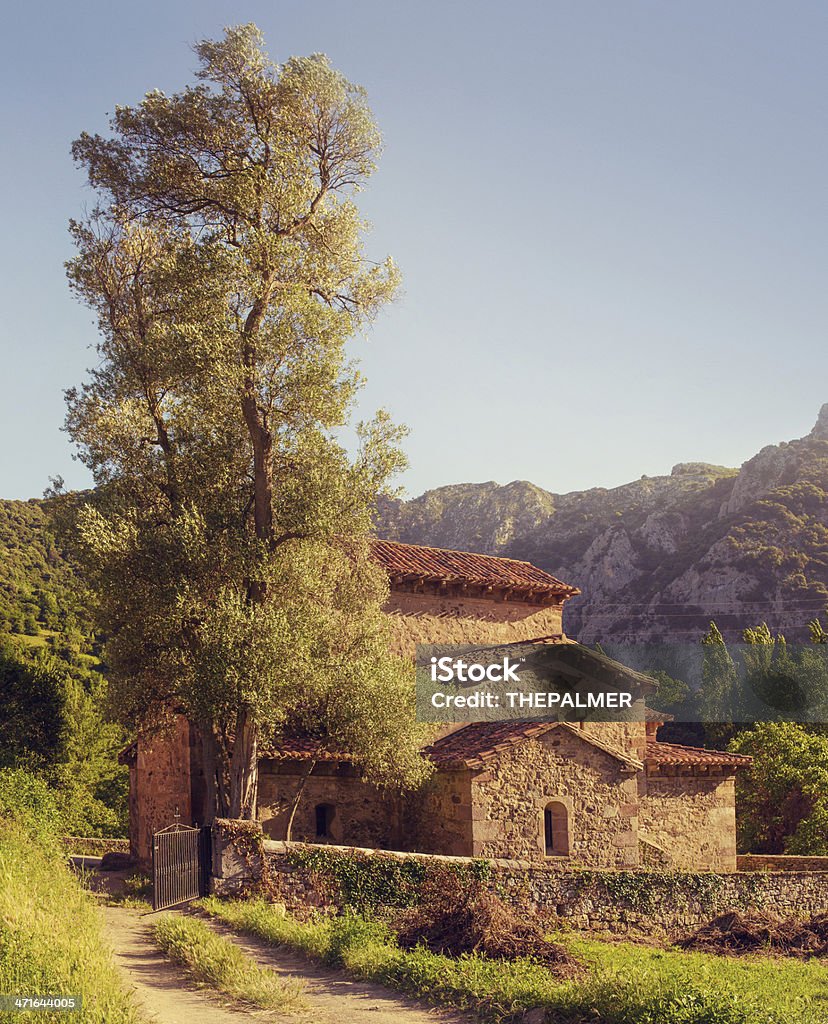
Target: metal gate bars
{"points": [[180, 865]]}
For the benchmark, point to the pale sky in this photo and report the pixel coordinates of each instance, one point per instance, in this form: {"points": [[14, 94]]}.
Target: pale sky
{"points": [[610, 218]]}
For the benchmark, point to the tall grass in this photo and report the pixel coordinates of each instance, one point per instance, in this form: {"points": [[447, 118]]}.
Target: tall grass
{"points": [[622, 983], [50, 936], [216, 961]]}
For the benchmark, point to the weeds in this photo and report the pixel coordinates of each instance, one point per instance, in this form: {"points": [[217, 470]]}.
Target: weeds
{"points": [[623, 983], [50, 937], [216, 961]]}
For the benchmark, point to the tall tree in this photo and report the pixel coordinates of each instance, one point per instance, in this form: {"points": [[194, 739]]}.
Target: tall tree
{"points": [[225, 264]]}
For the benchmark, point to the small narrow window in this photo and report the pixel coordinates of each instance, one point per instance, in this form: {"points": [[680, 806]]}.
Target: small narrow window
{"points": [[324, 817], [556, 829]]}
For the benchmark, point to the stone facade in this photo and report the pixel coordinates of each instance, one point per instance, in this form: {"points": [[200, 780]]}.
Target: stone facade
{"points": [[166, 784], [597, 792], [692, 819], [602, 795], [430, 616], [353, 810]]}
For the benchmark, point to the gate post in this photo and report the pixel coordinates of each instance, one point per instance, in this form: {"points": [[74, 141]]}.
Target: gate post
{"points": [[237, 855]]}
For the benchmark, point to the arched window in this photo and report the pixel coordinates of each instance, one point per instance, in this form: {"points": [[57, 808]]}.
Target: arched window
{"points": [[324, 818], [556, 829]]}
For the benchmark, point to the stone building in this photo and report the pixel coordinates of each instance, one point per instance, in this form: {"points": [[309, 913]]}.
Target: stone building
{"points": [[602, 795]]}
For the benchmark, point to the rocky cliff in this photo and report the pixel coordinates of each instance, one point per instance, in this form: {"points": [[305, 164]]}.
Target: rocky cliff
{"points": [[658, 558]]}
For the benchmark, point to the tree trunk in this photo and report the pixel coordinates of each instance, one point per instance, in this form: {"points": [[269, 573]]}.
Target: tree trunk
{"points": [[244, 774], [215, 764], [297, 797], [244, 766]]}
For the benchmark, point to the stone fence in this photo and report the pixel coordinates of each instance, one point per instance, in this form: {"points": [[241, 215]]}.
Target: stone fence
{"points": [[641, 902], [92, 846], [776, 862]]}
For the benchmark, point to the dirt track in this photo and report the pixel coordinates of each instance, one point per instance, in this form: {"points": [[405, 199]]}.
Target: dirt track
{"points": [[168, 997]]}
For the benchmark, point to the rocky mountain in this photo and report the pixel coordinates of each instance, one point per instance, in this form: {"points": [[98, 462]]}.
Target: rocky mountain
{"points": [[658, 558]]}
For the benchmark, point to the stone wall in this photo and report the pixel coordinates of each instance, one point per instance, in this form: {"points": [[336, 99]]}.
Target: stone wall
{"points": [[775, 862], [598, 791], [160, 785], [362, 815], [620, 902], [438, 818], [435, 618], [629, 737], [498, 812], [692, 819], [94, 846]]}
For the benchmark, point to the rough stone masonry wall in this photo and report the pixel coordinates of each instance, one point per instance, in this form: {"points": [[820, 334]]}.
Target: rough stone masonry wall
{"points": [[362, 816], [433, 618], [438, 818], [160, 785], [601, 798], [620, 902], [692, 819]]}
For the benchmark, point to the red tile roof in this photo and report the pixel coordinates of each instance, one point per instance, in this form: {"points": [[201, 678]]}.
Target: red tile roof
{"points": [[673, 754], [474, 744], [301, 749], [437, 565]]}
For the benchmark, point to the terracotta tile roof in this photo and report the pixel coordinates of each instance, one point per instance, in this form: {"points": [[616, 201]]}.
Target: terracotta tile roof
{"points": [[299, 748], [437, 565], [475, 744], [657, 716], [673, 754]]}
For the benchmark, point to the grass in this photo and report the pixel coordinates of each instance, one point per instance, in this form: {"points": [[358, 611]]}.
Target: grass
{"points": [[622, 983], [50, 935], [135, 895], [218, 962]]}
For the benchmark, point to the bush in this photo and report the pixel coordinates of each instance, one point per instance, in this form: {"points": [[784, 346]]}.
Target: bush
{"points": [[26, 799]]}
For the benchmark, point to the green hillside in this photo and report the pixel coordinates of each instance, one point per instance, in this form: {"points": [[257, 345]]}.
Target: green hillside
{"points": [[41, 597]]}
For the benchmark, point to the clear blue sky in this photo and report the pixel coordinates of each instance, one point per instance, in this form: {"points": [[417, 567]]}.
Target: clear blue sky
{"points": [[611, 219]]}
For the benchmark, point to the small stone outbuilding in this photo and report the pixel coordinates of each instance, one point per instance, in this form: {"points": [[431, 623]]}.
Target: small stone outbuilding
{"points": [[601, 795]]}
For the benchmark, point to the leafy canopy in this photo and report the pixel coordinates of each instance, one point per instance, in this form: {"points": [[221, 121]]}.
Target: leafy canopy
{"points": [[225, 265]]}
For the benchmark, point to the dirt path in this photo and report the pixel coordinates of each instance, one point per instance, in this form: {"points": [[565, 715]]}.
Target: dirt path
{"points": [[169, 997], [336, 998], [164, 991], [159, 985]]}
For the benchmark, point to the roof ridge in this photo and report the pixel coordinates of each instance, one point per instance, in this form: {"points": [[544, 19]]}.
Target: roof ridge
{"points": [[457, 551]]}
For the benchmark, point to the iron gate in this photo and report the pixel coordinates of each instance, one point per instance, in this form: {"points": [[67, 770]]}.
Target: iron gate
{"points": [[180, 865]]}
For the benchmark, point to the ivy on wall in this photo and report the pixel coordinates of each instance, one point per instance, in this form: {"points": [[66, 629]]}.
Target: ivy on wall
{"points": [[366, 882]]}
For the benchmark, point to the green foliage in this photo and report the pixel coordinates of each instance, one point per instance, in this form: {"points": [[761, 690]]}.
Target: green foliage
{"points": [[50, 933], [367, 882], [225, 264], [364, 882], [218, 962], [671, 694], [33, 716], [622, 983], [27, 800], [51, 722], [40, 592], [782, 798]]}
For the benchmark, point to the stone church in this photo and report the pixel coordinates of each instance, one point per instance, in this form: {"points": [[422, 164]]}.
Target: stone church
{"points": [[592, 794]]}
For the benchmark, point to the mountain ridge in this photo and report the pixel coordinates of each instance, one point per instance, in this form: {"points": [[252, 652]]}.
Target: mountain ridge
{"points": [[659, 557]]}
